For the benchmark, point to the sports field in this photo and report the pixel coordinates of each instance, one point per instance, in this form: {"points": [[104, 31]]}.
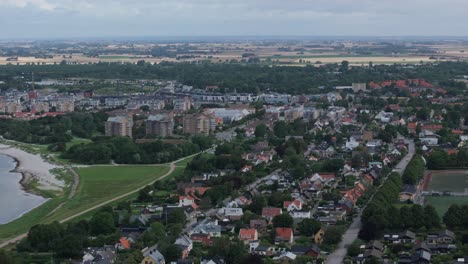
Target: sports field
{"points": [[448, 181], [442, 203]]}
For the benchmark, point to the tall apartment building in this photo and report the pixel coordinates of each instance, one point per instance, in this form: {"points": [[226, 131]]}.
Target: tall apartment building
{"points": [[12, 107], [41, 107], [119, 126], [65, 106], [182, 104], [199, 124], [160, 125]]}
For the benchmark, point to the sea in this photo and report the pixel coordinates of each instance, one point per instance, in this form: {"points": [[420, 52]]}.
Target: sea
{"points": [[14, 200]]}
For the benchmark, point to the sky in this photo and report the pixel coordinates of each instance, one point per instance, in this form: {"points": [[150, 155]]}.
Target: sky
{"points": [[29, 19]]}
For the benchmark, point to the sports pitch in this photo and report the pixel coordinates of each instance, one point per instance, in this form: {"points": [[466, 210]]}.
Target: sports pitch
{"points": [[449, 181]]}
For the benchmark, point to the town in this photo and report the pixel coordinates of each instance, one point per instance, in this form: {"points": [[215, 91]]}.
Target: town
{"points": [[369, 172]]}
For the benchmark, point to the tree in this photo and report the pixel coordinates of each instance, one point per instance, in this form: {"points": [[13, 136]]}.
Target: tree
{"points": [[258, 202], [333, 235], [431, 218], [171, 253], [176, 216], [260, 131], [353, 250], [309, 227], [283, 220], [453, 217], [102, 223], [5, 258]]}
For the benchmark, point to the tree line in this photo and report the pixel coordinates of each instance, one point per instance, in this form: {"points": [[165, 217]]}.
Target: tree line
{"points": [[124, 150], [55, 129], [381, 214], [242, 77], [414, 170], [440, 159]]}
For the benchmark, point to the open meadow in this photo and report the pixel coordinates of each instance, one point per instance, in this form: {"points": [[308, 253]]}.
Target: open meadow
{"points": [[98, 184]]}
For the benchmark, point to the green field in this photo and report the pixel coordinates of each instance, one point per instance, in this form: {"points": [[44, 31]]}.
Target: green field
{"points": [[442, 203], [97, 184], [452, 181]]}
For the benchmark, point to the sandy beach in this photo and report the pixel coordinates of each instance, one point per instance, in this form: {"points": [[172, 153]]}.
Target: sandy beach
{"points": [[33, 167]]}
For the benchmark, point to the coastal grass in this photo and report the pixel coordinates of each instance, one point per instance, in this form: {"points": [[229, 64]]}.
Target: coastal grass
{"points": [[442, 203], [99, 184]]}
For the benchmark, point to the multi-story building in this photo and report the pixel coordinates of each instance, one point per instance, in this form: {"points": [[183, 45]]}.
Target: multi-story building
{"points": [[182, 104], [359, 87], [119, 126], [65, 106], [199, 124], [41, 107], [160, 125], [13, 107]]}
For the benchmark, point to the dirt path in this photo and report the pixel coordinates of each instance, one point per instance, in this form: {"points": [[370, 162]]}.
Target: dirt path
{"points": [[172, 167]]}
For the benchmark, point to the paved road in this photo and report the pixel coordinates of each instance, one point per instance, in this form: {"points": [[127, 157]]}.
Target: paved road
{"points": [[172, 167], [351, 234]]}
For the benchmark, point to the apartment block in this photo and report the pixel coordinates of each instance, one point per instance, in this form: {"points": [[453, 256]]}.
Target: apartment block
{"points": [[119, 126]]}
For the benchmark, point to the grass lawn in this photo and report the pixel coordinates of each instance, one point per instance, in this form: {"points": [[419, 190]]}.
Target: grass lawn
{"points": [[97, 184], [76, 141], [456, 181], [101, 183], [442, 203]]}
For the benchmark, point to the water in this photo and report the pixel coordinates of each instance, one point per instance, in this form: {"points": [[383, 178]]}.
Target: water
{"points": [[14, 201]]}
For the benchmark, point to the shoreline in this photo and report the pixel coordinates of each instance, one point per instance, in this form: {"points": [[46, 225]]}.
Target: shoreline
{"points": [[32, 167]]}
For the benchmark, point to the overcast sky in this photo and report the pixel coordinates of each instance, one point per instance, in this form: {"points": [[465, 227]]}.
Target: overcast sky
{"points": [[106, 18]]}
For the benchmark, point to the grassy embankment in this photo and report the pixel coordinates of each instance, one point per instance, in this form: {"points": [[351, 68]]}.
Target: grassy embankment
{"points": [[98, 184]]}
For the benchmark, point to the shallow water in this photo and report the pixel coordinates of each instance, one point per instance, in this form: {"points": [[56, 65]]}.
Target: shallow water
{"points": [[14, 201]]}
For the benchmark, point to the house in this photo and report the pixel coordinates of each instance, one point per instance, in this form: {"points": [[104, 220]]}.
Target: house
{"points": [[303, 214], [374, 244], [186, 200], [248, 234], [283, 235], [185, 244], [408, 193], [122, 244], [407, 237], [212, 260], [318, 237], [443, 237], [285, 257], [269, 212], [299, 250], [205, 239], [151, 255], [259, 225], [292, 205], [104, 254], [206, 226], [232, 213]]}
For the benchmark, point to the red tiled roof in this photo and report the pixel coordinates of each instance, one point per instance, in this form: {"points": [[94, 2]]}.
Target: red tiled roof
{"points": [[457, 132], [271, 211], [124, 242], [284, 232], [247, 233]]}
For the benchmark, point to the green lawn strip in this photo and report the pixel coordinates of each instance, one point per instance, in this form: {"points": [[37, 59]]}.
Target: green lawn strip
{"points": [[442, 203], [102, 183], [133, 196], [31, 218]]}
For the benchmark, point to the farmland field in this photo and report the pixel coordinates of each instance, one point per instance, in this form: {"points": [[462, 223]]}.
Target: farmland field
{"points": [[451, 181]]}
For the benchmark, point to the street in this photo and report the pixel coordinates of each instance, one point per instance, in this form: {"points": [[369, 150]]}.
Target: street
{"points": [[352, 233]]}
